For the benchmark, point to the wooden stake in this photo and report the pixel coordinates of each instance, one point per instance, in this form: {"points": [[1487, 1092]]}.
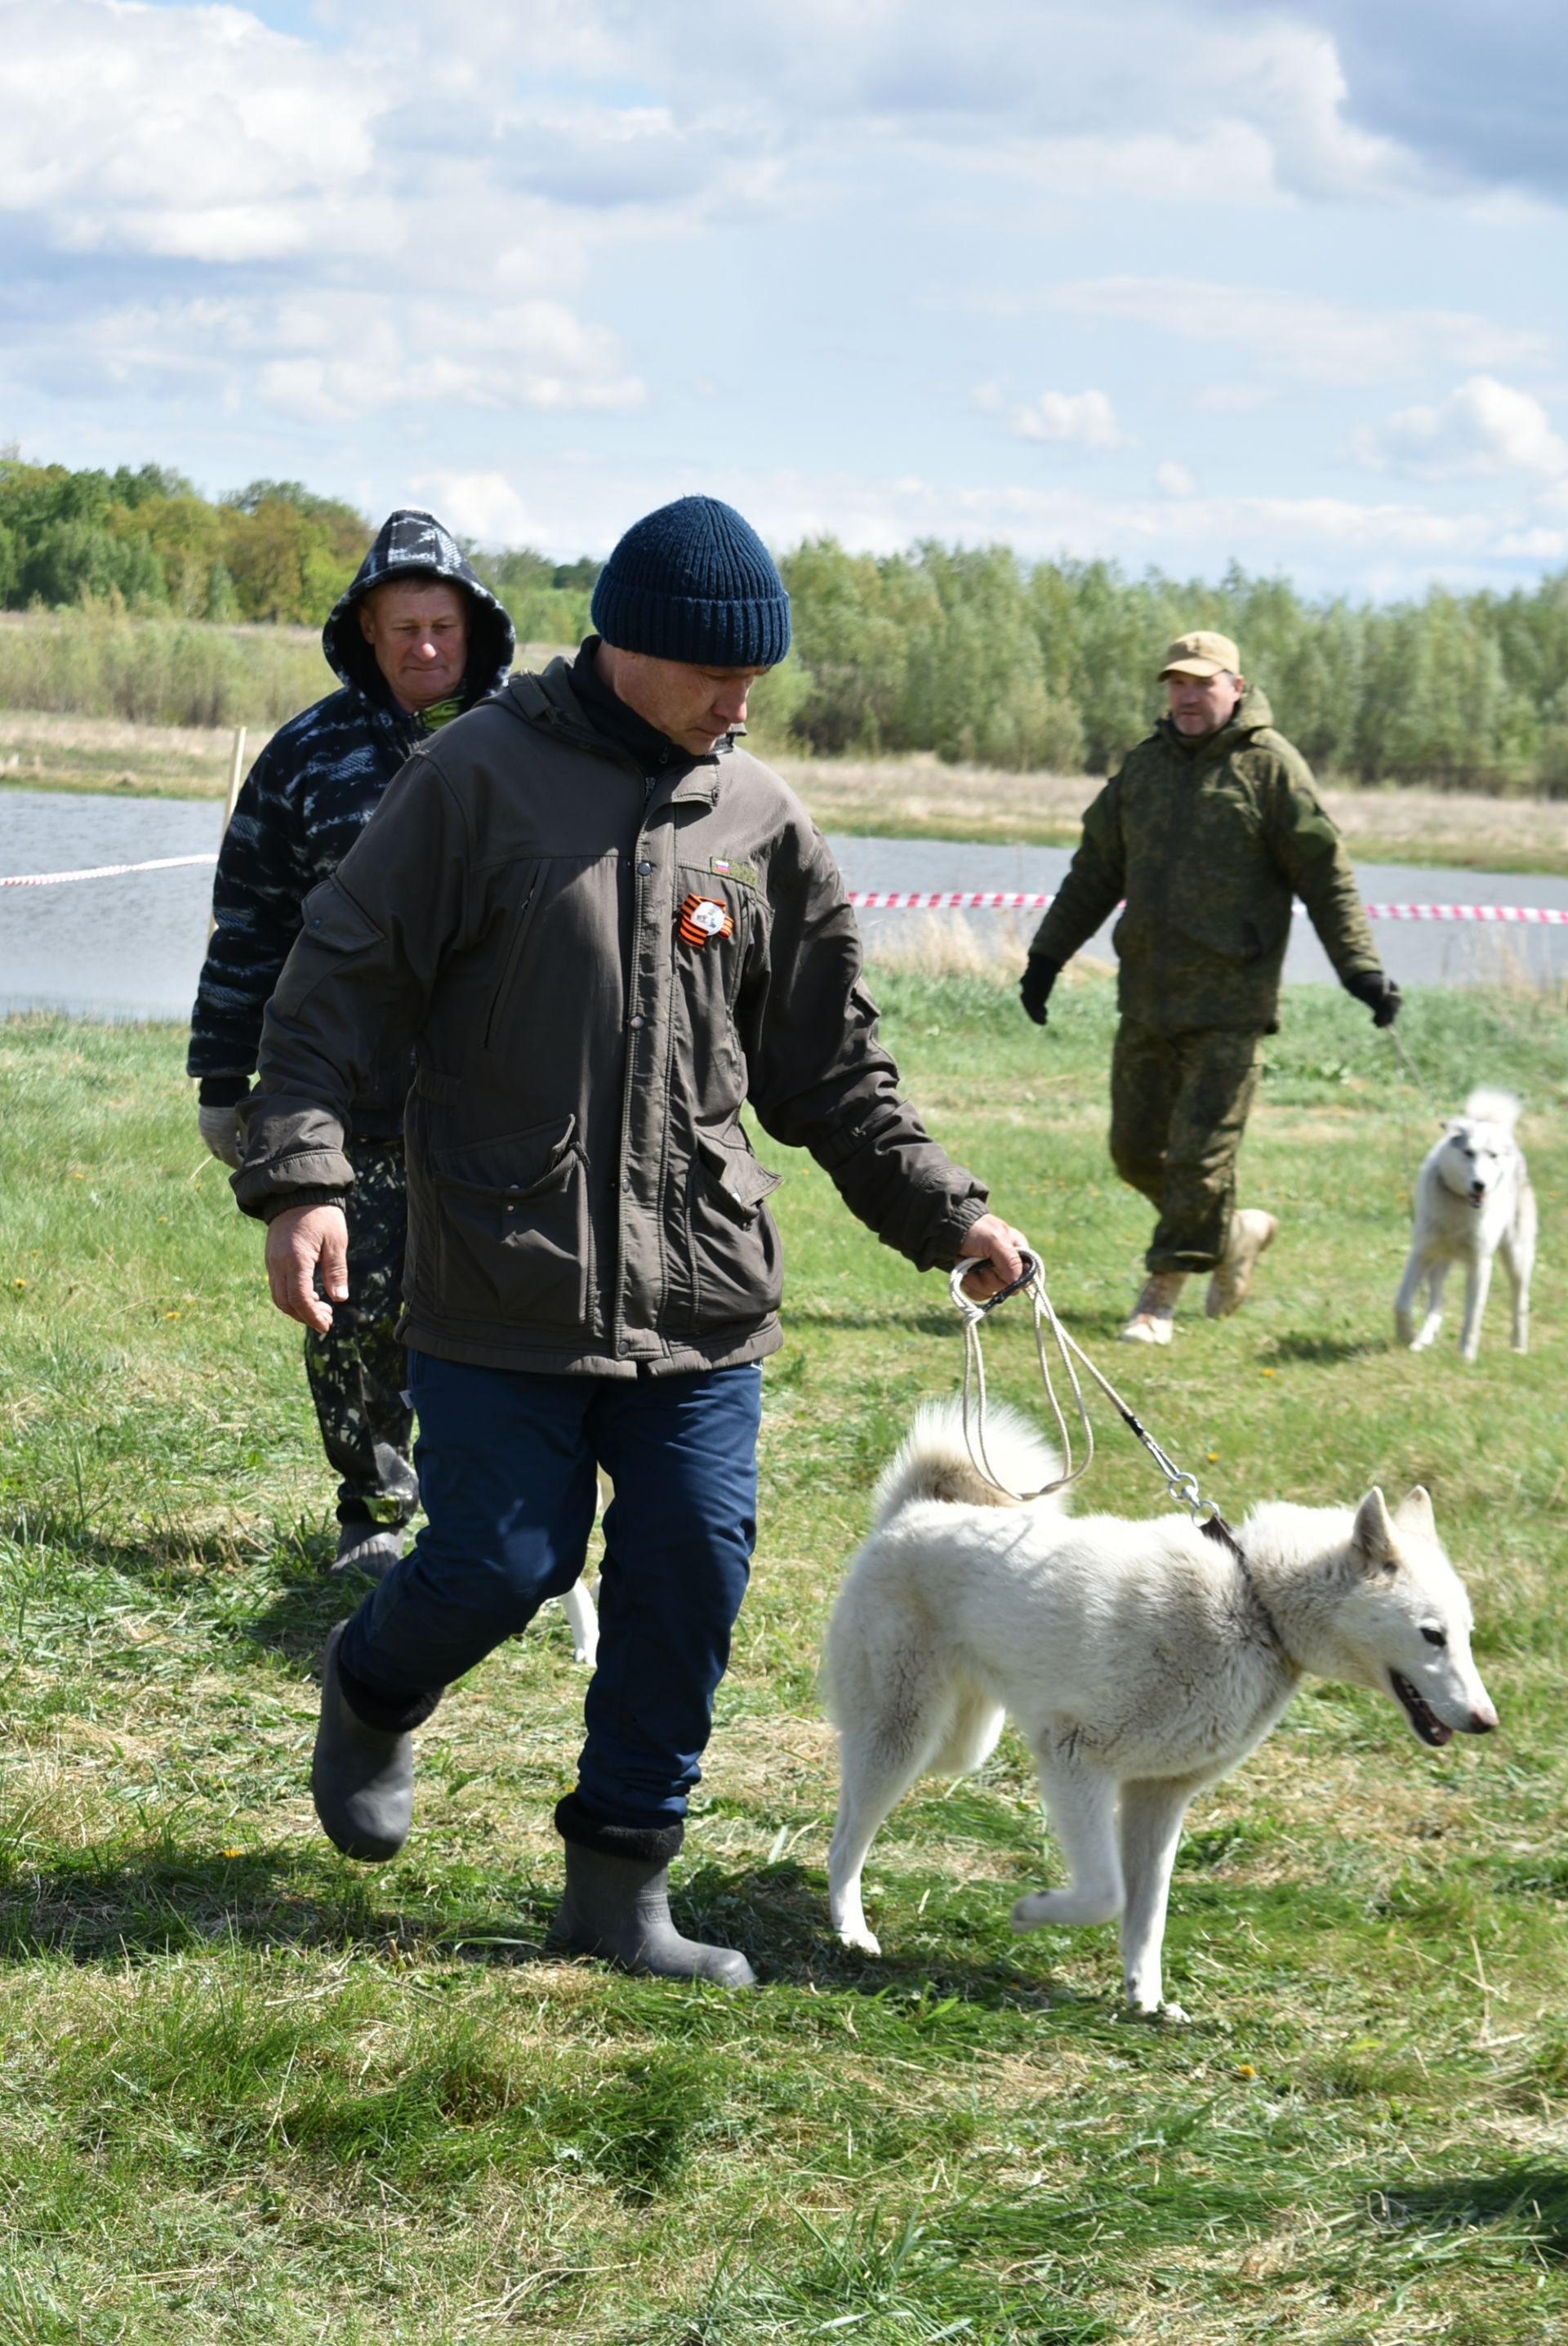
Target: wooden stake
{"points": [[236, 778]]}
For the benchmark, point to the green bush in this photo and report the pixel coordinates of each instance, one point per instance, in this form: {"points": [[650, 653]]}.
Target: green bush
{"points": [[966, 651], [100, 662]]}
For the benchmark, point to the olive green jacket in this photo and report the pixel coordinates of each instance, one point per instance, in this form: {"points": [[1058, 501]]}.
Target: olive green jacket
{"points": [[1207, 846], [582, 1194]]}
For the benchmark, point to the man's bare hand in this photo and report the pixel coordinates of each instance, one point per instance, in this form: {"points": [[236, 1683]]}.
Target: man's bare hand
{"points": [[299, 1242], [1000, 1251]]}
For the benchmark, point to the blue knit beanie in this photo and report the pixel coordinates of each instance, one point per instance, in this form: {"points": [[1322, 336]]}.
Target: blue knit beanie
{"points": [[694, 582]]}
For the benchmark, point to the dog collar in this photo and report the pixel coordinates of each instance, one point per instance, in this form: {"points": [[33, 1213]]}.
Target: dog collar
{"points": [[1215, 1527]]}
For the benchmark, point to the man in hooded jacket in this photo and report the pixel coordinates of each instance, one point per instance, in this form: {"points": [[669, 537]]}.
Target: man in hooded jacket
{"points": [[416, 638], [1209, 832]]}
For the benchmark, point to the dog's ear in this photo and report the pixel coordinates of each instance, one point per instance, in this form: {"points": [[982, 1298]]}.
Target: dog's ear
{"points": [[1414, 1514], [1372, 1533]]}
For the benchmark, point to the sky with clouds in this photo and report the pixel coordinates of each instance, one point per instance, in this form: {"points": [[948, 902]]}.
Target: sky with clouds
{"points": [[1174, 282]]}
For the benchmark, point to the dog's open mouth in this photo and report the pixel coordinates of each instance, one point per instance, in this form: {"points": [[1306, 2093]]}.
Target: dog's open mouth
{"points": [[1421, 1715], [1477, 1193]]}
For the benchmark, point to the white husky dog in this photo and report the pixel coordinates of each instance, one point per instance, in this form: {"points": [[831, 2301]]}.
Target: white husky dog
{"points": [[1139, 1660], [1473, 1202]]}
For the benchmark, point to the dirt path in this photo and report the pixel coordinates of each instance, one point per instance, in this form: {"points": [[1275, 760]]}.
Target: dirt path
{"points": [[911, 797], [919, 798], [102, 753]]}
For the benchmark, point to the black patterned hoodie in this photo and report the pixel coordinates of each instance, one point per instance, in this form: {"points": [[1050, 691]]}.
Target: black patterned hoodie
{"points": [[306, 800]]}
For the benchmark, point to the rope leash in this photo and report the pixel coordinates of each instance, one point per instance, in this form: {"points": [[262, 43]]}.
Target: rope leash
{"points": [[1412, 1072], [1180, 1484], [1029, 1282]]}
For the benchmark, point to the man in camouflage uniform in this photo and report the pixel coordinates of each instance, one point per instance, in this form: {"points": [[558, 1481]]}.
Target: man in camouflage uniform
{"points": [[1208, 831], [416, 638]]}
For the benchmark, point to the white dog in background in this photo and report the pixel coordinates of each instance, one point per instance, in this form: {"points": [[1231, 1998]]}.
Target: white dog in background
{"points": [[577, 1605], [1140, 1661], [1473, 1202]]}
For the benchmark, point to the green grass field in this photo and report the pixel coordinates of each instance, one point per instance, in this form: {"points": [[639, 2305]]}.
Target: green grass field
{"points": [[250, 2092]]}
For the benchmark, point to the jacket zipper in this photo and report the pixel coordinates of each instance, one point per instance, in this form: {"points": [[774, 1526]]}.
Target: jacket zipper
{"points": [[514, 956], [633, 1038]]}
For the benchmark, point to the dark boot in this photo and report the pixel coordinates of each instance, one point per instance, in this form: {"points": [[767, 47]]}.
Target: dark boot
{"points": [[617, 1905], [362, 1778], [367, 1548]]}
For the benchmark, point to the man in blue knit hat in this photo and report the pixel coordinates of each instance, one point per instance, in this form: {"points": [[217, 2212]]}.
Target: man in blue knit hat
{"points": [[603, 927]]}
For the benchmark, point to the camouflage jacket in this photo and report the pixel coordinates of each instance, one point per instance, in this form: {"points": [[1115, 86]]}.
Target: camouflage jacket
{"points": [[306, 800], [598, 961], [1208, 846]]}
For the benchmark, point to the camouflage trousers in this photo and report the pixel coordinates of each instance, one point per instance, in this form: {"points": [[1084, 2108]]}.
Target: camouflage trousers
{"points": [[358, 1371], [1179, 1105]]}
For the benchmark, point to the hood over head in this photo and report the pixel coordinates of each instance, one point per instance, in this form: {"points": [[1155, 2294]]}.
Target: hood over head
{"points": [[409, 541]]}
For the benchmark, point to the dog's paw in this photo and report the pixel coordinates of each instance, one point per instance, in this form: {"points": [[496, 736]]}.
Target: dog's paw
{"points": [[1156, 2015], [1060, 1906], [861, 1942]]}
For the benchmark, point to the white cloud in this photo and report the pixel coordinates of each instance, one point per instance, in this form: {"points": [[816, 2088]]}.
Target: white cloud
{"points": [[1307, 338], [558, 209], [1075, 419], [1251, 104], [188, 131], [329, 360], [1484, 428], [1535, 544], [483, 505], [581, 504], [536, 355]]}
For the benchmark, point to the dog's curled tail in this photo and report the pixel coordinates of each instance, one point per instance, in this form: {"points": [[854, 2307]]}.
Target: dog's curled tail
{"points": [[933, 1461], [1485, 1106]]}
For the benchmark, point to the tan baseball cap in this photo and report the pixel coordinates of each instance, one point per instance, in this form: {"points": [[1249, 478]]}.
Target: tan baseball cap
{"points": [[1201, 655]]}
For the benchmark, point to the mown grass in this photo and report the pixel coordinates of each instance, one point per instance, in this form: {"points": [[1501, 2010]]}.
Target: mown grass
{"points": [[250, 2090]]}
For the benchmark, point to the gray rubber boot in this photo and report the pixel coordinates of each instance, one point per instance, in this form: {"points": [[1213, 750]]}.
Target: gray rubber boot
{"points": [[370, 1549], [362, 1778], [618, 1908]]}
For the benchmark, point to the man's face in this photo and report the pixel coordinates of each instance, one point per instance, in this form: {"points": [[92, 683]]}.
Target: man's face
{"points": [[418, 630], [1202, 704], [695, 706]]}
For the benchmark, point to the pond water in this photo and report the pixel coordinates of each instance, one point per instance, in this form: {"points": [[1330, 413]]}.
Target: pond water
{"points": [[127, 948], [132, 947]]}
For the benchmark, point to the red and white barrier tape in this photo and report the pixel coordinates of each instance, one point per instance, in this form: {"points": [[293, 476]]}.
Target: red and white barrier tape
{"points": [[102, 872], [919, 900], [1550, 916], [997, 899]]}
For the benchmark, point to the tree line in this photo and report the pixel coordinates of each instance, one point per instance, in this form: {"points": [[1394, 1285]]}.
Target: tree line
{"points": [[971, 653]]}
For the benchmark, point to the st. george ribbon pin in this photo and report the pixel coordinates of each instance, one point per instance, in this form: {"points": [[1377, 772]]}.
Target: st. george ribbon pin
{"points": [[702, 917]]}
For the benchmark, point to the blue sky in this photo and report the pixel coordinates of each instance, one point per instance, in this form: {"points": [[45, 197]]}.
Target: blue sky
{"points": [[1169, 282]]}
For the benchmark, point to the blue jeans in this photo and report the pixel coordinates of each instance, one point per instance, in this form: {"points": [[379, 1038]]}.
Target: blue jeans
{"points": [[506, 1477]]}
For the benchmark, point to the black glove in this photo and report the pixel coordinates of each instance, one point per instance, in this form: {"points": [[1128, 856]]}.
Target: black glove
{"points": [[1040, 974], [1380, 994]]}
